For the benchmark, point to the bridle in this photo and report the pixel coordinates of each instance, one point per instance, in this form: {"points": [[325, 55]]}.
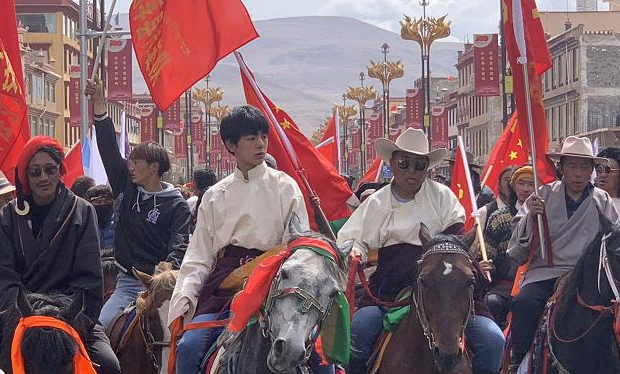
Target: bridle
{"points": [[308, 302], [418, 299]]}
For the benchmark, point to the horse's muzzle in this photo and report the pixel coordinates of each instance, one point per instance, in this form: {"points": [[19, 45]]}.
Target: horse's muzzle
{"points": [[284, 358], [446, 362]]}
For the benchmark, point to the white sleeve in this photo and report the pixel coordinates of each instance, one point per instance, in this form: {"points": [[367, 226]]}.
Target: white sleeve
{"points": [[197, 264], [363, 227], [452, 211]]}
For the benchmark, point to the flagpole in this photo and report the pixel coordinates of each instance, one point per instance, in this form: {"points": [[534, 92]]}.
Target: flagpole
{"points": [[287, 144], [474, 205], [517, 15], [102, 41], [337, 123]]}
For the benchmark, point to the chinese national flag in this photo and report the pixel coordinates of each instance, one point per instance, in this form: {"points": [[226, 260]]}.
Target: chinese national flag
{"points": [[328, 146], [73, 162], [510, 149], [179, 42], [323, 178], [373, 172], [525, 36], [461, 189], [14, 130]]}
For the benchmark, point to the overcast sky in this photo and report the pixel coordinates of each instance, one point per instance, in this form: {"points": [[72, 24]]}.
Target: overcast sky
{"points": [[468, 16]]}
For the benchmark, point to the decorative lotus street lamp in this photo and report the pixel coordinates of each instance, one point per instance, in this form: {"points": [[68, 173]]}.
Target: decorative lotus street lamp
{"points": [[386, 71], [208, 96], [425, 31], [362, 95], [218, 112]]}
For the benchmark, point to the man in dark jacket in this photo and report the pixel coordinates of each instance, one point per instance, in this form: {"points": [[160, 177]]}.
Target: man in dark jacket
{"points": [[48, 241], [154, 220]]}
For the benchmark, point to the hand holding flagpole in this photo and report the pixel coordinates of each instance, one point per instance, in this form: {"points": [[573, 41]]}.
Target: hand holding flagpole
{"points": [[474, 205]]}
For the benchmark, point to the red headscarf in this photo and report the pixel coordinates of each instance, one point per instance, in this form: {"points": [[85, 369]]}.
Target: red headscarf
{"points": [[33, 146]]}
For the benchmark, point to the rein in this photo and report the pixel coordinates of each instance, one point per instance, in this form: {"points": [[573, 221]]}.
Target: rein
{"points": [[418, 299]]}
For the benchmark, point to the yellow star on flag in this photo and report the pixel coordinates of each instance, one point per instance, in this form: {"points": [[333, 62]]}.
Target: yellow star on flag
{"points": [[286, 124], [461, 192], [513, 155], [520, 143], [277, 109]]}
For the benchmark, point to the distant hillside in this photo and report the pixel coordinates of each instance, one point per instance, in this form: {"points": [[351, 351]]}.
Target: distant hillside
{"points": [[304, 64]]}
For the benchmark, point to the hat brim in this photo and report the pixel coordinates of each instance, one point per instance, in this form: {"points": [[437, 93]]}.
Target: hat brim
{"points": [[556, 157], [385, 148], [7, 189]]}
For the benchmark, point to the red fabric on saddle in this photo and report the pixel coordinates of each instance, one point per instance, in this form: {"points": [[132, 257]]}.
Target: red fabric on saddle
{"points": [[247, 303]]}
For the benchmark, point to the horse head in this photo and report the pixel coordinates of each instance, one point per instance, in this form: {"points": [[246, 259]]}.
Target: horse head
{"points": [[612, 245], [301, 298], [44, 349], [444, 293], [159, 286]]}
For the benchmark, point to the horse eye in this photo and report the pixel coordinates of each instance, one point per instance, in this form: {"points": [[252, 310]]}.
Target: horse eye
{"points": [[284, 275]]}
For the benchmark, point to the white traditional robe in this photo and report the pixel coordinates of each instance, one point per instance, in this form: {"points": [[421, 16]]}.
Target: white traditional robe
{"points": [[381, 220], [250, 213]]}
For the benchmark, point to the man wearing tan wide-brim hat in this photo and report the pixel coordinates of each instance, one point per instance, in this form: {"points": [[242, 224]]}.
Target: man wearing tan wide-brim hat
{"points": [[571, 206], [389, 222], [7, 190]]}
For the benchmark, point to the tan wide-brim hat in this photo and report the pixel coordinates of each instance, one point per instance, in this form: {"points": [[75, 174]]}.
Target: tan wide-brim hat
{"points": [[574, 146], [5, 185], [410, 141]]}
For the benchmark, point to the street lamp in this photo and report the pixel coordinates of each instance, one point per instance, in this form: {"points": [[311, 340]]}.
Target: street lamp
{"points": [[219, 112], [208, 96], [425, 31], [386, 71], [362, 95], [345, 113]]}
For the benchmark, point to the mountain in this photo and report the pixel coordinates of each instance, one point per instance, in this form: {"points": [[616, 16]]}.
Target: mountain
{"points": [[304, 64]]}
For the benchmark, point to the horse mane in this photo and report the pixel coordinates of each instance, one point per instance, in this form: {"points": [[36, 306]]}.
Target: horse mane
{"points": [[163, 280], [589, 257], [335, 271]]}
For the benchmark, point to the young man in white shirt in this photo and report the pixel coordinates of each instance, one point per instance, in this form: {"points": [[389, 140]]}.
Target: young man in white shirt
{"points": [[239, 218]]}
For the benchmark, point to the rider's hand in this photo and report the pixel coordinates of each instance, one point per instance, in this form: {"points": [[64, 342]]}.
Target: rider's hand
{"points": [[486, 266], [356, 252], [94, 89], [535, 204]]}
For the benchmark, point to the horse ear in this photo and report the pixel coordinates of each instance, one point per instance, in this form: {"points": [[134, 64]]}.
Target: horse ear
{"points": [[469, 237], [606, 225], [345, 248], [294, 226], [77, 305], [144, 278], [21, 302], [424, 234]]}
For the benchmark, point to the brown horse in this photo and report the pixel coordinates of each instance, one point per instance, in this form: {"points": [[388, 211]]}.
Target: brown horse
{"points": [[139, 336], [430, 340]]}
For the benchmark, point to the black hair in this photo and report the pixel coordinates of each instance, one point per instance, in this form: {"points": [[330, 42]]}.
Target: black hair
{"points": [[54, 153], [101, 190], [512, 200], [81, 186], [204, 178], [243, 121], [612, 153], [152, 152]]}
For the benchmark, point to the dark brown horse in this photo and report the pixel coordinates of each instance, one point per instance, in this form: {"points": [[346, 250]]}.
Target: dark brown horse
{"points": [[139, 336], [429, 339], [45, 350], [579, 323]]}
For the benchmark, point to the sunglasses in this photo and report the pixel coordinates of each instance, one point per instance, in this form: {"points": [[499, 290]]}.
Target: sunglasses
{"points": [[418, 164], [600, 168], [50, 170]]}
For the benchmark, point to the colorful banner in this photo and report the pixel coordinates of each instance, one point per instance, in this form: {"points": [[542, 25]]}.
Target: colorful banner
{"points": [[201, 151], [394, 134], [216, 143], [119, 70], [75, 120], [439, 127], [413, 108], [180, 145], [486, 65], [198, 130], [375, 131], [172, 116], [148, 123]]}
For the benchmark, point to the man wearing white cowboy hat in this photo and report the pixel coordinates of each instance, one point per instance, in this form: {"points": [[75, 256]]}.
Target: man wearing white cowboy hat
{"points": [[389, 221], [6, 190], [571, 206]]}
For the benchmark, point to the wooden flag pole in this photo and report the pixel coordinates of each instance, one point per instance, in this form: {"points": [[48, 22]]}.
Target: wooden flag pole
{"points": [[474, 205], [287, 145]]}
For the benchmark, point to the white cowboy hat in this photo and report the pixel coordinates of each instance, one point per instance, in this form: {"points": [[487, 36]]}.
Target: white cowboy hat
{"points": [[574, 146], [410, 141], [5, 185]]}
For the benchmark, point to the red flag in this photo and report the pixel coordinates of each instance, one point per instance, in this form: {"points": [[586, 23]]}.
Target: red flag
{"points": [[14, 130], [178, 43], [294, 152], [73, 162], [510, 149], [531, 37], [328, 145], [373, 173], [460, 187]]}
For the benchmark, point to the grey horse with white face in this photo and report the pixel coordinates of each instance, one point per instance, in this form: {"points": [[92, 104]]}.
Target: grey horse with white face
{"points": [[299, 302]]}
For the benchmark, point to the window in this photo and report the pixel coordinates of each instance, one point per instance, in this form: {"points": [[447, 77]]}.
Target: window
{"points": [[43, 22], [50, 92], [575, 65], [37, 88], [561, 70], [576, 116]]}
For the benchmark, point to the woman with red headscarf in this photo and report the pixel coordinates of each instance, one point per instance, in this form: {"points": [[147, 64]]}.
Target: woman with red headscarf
{"points": [[49, 243]]}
